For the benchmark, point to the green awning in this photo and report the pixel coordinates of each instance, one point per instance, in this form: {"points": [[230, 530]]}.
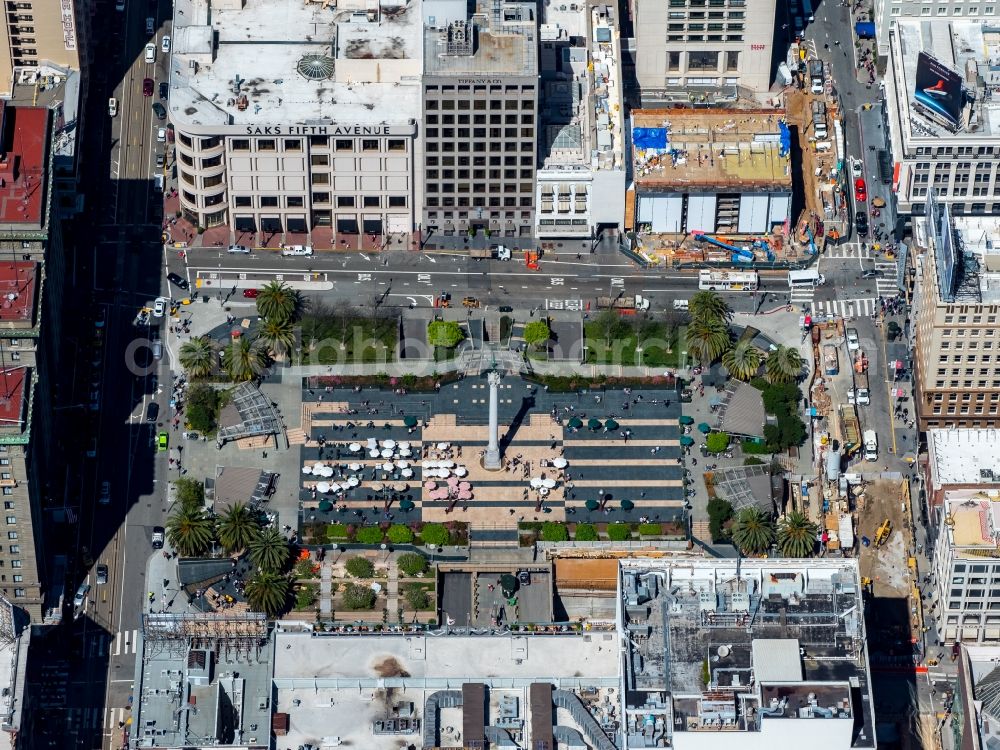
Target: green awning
{"points": [[575, 423], [410, 421], [325, 506], [704, 427], [592, 505], [406, 505], [594, 423], [687, 440], [627, 505], [686, 419], [611, 425]]}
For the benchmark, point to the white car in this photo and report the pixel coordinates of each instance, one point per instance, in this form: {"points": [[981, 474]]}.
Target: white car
{"points": [[853, 344], [165, 44], [857, 168], [112, 107], [81, 595], [105, 497], [239, 249], [161, 135], [159, 307], [150, 54], [861, 397]]}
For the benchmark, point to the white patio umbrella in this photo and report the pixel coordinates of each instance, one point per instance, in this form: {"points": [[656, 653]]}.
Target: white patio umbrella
{"points": [[373, 454], [443, 473], [372, 443], [560, 463], [354, 447], [403, 464], [307, 469], [386, 453], [405, 452], [322, 487], [388, 466], [318, 466], [407, 473], [443, 446], [390, 444], [548, 483], [446, 464], [344, 485], [354, 467], [327, 471], [461, 471], [404, 445], [536, 482], [353, 481]]}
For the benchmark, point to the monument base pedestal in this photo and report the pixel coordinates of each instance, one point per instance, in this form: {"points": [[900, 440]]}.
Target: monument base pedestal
{"points": [[492, 460]]}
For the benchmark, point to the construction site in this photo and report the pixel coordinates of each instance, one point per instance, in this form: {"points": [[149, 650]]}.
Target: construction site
{"points": [[723, 185]]}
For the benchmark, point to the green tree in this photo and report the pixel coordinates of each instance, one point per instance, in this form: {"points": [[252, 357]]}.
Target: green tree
{"points": [[411, 563], [719, 513], [243, 359], [399, 534], [444, 333], [610, 325], [554, 532], [190, 493], [717, 442], [237, 528], [198, 357], [190, 530], [585, 532], [709, 306], [269, 550], [279, 302], [781, 397], [416, 596], [360, 567], [267, 591], [537, 332], [783, 364], [742, 360], [358, 597], [619, 532], [706, 339], [435, 534], [796, 535], [369, 535], [752, 531], [202, 409], [278, 334]]}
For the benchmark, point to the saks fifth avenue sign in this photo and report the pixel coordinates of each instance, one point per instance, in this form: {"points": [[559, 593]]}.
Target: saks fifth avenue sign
{"points": [[335, 130]]}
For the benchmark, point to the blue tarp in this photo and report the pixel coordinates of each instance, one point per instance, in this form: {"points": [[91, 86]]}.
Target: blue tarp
{"points": [[864, 30], [649, 138], [786, 139]]}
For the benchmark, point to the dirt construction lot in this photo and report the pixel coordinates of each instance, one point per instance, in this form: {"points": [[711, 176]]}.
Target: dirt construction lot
{"points": [[885, 565]]}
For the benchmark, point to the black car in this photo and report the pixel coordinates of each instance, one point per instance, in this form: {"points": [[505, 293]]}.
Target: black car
{"points": [[861, 222], [506, 308], [164, 89], [159, 110], [178, 281], [152, 411]]}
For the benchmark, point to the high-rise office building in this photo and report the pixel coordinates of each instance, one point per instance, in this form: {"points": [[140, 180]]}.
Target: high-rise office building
{"points": [[42, 38], [480, 104]]}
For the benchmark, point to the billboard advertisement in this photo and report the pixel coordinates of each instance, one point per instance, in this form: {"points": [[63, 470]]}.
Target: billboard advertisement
{"points": [[939, 89]]}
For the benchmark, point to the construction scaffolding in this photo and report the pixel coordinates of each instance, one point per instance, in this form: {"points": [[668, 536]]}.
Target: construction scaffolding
{"points": [[234, 637]]}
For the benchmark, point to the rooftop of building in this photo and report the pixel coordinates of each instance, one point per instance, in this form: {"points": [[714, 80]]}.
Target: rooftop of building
{"points": [[968, 48], [972, 520], [966, 253], [787, 636], [685, 149], [18, 287], [15, 393], [295, 62], [203, 680], [979, 683], [24, 150], [57, 89], [14, 643], [581, 102], [500, 39], [962, 456]]}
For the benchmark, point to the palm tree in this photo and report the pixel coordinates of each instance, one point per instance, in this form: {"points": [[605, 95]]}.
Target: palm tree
{"points": [[190, 530], [269, 550], [743, 360], [708, 305], [197, 356], [783, 364], [279, 335], [267, 592], [706, 339], [796, 535], [237, 528], [244, 359], [278, 301], [753, 531]]}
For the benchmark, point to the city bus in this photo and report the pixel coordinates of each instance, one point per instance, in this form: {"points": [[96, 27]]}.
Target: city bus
{"points": [[728, 281], [805, 279]]}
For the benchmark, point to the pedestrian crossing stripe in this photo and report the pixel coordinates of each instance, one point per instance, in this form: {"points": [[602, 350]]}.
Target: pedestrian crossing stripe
{"points": [[125, 642], [113, 717]]}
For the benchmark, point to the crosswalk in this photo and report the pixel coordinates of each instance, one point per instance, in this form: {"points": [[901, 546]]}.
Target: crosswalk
{"points": [[114, 717], [126, 642], [847, 251]]}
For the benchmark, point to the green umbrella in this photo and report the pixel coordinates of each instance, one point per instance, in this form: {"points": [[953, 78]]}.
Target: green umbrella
{"points": [[611, 425], [410, 421], [592, 505], [594, 423], [704, 427], [686, 419], [687, 440], [575, 423], [325, 506], [627, 505], [407, 505]]}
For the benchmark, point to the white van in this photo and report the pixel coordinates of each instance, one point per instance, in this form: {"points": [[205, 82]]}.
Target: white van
{"points": [[158, 181], [150, 53], [297, 250], [112, 107], [681, 304]]}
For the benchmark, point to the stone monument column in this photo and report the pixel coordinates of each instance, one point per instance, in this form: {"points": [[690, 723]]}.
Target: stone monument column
{"points": [[492, 458]]}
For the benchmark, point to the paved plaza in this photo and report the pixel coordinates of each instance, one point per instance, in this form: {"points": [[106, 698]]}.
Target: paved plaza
{"points": [[384, 454]]}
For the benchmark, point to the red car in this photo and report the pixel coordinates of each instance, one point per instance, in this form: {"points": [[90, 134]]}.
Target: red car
{"points": [[250, 293], [860, 191], [147, 86]]}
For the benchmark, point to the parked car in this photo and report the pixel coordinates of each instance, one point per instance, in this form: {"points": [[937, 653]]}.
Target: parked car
{"points": [[150, 53], [81, 595], [179, 281], [239, 249], [152, 411], [857, 167], [161, 135], [250, 293], [157, 537], [102, 575], [860, 190], [159, 110], [164, 89], [165, 44], [853, 344], [861, 397], [861, 222], [147, 86], [112, 107]]}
